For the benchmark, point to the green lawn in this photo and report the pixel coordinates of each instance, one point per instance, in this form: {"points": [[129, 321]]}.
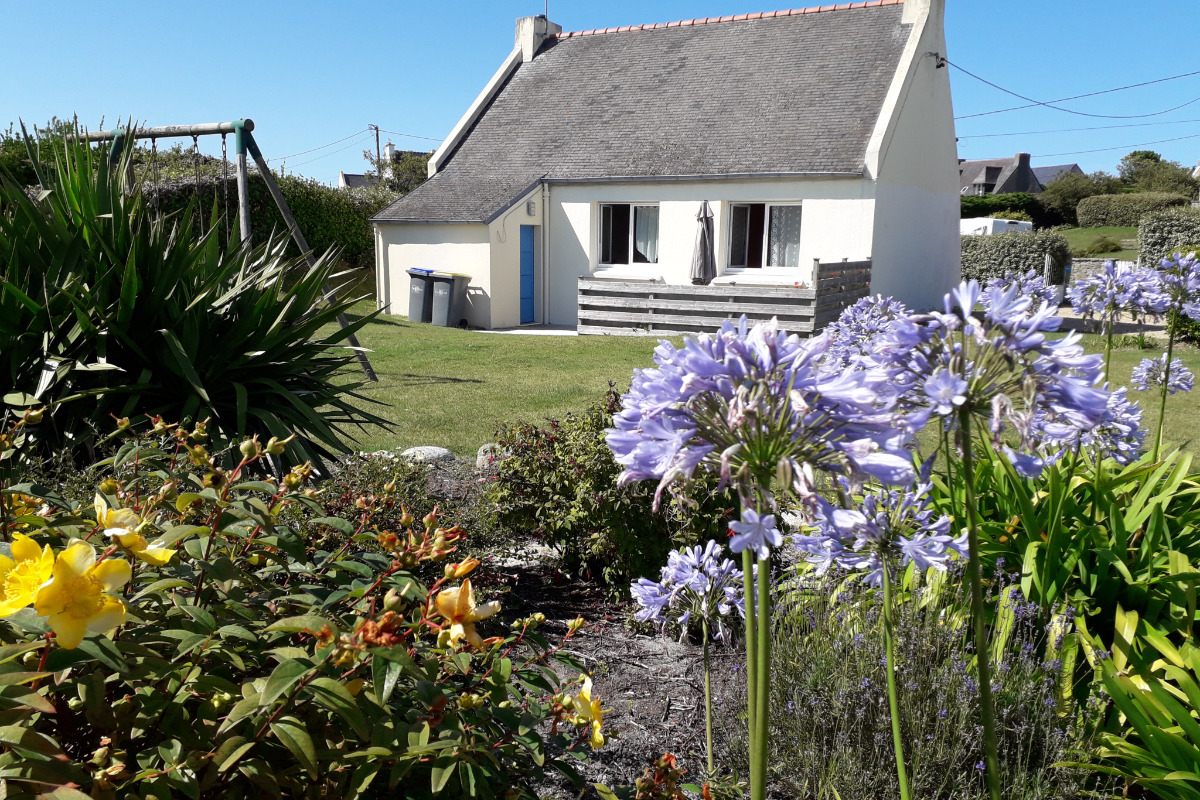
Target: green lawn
{"points": [[1081, 237], [450, 387]]}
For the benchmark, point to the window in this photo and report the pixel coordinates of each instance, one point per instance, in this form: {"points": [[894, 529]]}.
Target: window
{"points": [[628, 234], [764, 234]]}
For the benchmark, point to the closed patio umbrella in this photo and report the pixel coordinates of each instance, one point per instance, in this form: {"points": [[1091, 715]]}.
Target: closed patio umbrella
{"points": [[704, 259]]}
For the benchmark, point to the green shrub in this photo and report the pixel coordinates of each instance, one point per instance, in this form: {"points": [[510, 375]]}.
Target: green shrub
{"points": [[1123, 210], [993, 205], [1019, 215], [560, 484], [1174, 230], [988, 257], [1098, 247], [101, 298], [236, 660], [1063, 194]]}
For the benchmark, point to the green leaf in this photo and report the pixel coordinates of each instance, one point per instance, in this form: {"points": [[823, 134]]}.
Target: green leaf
{"points": [[296, 739], [337, 698], [29, 742], [304, 622], [441, 773], [231, 751], [282, 679], [337, 524], [177, 351], [385, 673]]}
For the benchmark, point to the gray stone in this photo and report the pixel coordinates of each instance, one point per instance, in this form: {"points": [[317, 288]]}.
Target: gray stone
{"points": [[487, 454], [427, 454]]}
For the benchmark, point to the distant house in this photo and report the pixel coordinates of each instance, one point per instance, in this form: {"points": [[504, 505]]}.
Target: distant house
{"points": [[1046, 174], [997, 176], [813, 134], [352, 180]]}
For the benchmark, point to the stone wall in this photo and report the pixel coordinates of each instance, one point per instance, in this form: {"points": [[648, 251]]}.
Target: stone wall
{"points": [[1083, 268]]}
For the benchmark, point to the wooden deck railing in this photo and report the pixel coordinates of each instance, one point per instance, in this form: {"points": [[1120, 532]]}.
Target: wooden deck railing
{"points": [[632, 308]]}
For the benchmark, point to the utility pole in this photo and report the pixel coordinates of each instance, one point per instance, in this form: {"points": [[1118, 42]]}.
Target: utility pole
{"points": [[378, 157]]}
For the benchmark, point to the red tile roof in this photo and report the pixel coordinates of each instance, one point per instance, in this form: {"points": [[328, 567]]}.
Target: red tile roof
{"points": [[734, 18]]}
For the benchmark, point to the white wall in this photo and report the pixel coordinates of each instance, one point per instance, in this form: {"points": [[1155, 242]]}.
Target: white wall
{"points": [[505, 249], [836, 223], [913, 155], [448, 248]]}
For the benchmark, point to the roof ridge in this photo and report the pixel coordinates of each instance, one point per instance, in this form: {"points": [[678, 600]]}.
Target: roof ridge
{"points": [[687, 23]]}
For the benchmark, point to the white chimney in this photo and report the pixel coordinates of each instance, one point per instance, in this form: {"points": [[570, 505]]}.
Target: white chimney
{"points": [[532, 32], [389, 152]]}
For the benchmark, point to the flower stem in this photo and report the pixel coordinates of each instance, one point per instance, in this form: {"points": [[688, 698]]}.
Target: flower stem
{"points": [[893, 700], [1108, 350], [975, 574], [751, 657], [762, 678], [708, 707], [1162, 403]]}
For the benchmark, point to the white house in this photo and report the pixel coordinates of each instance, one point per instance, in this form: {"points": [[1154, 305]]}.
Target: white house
{"points": [[820, 133]]}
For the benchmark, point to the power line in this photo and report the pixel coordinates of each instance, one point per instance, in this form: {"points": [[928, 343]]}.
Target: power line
{"points": [[361, 140], [1118, 147], [1073, 130], [322, 147], [410, 135], [1050, 104]]}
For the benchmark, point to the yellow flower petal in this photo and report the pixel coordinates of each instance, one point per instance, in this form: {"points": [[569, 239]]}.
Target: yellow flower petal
{"points": [[24, 548], [447, 602], [484, 611], [155, 555], [111, 615], [69, 629], [112, 574], [76, 560]]}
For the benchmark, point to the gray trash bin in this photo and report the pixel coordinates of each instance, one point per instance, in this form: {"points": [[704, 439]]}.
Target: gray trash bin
{"points": [[420, 295], [449, 299]]}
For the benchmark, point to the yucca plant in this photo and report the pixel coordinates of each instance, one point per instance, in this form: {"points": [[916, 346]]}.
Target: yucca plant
{"points": [[101, 297]]}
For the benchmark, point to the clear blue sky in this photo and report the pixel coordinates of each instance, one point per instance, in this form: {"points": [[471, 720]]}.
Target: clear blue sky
{"points": [[310, 73]]}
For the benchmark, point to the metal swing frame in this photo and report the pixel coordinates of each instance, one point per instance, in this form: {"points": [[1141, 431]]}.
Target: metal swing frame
{"points": [[244, 146]]}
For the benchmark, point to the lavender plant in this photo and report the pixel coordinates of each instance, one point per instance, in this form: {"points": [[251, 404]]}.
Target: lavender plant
{"points": [[1179, 277], [998, 370], [1117, 290], [697, 585], [754, 406], [888, 528]]}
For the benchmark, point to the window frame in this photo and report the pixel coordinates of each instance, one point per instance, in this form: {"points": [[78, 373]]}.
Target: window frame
{"points": [[765, 269], [601, 264]]}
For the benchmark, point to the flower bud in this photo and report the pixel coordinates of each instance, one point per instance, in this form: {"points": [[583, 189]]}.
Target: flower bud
{"points": [[198, 455], [389, 487], [292, 481], [470, 701], [109, 486], [538, 618], [406, 519], [34, 416], [160, 427], [430, 520], [575, 624], [250, 449], [463, 569], [214, 479], [276, 447], [123, 424], [392, 601]]}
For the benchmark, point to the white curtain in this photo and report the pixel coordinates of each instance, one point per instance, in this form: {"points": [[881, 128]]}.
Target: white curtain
{"points": [[783, 237], [645, 234]]}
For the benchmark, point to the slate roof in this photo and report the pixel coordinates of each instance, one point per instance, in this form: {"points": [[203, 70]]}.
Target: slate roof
{"points": [[1047, 174], [1007, 175], [356, 181], [776, 93]]}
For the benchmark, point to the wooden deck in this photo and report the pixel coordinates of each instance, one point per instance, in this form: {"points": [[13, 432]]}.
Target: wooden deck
{"points": [[635, 308]]}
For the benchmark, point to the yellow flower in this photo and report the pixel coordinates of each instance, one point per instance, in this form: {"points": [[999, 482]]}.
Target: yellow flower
{"points": [[77, 600], [116, 520], [589, 712], [122, 526], [22, 575], [458, 607]]}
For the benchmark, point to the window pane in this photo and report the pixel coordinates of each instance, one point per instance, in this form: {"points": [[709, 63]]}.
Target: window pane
{"points": [[614, 233], [739, 230], [645, 234], [606, 234], [783, 237]]}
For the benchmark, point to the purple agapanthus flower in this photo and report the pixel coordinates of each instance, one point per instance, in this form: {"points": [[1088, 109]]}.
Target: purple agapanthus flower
{"points": [[1014, 372], [1119, 435], [1180, 279], [889, 526], [1116, 290], [1153, 371], [756, 532], [852, 336], [1029, 284], [696, 583], [946, 392], [717, 401]]}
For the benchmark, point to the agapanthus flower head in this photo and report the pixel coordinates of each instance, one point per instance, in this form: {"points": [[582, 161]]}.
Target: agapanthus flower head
{"points": [[1012, 370], [852, 336], [1029, 284], [888, 527], [1179, 277], [1118, 289], [1153, 372], [752, 403], [755, 532], [695, 583], [1119, 435]]}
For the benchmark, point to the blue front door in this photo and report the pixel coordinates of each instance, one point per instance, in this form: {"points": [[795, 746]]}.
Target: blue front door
{"points": [[526, 274]]}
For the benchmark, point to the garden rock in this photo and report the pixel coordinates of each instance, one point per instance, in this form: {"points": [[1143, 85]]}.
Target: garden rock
{"points": [[487, 454], [427, 454]]}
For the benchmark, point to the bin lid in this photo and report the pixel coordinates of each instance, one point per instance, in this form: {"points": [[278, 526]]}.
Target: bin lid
{"points": [[419, 271], [448, 275]]}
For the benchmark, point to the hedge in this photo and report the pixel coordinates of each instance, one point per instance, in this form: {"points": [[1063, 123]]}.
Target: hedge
{"points": [[991, 205], [1165, 232], [326, 216], [987, 257], [1123, 210]]}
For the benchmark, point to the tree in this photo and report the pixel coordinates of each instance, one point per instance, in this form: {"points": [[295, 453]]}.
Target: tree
{"points": [[406, 172], [1147, 171], [1063, 194]]}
